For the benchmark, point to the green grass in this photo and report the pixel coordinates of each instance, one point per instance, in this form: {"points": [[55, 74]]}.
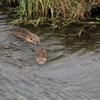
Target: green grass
{"points": [[52, 12]]}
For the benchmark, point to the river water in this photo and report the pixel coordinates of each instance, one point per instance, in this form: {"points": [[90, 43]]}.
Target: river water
{"points": [[72, 71]]}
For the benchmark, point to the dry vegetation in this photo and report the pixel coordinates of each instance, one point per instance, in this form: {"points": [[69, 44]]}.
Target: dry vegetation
{"points": [[51, 12]]}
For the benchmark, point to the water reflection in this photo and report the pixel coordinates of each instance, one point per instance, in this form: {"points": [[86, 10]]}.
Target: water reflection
{"points": [[71, 72]]}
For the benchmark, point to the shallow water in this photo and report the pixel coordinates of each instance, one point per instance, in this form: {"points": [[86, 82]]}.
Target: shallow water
{"points": [[72, 71]]}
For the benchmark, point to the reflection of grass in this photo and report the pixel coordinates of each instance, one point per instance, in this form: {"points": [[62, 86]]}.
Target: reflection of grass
{"points": [[52, 12]]}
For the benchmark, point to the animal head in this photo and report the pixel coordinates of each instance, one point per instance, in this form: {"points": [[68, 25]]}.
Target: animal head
{"points": [[33, 39], [41, 55]]}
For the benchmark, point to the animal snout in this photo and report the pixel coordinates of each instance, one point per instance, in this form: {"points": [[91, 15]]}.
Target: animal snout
{"points": [[38, 42], [41, 60]]}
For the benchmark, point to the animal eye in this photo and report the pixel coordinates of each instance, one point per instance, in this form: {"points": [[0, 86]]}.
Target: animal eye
{"points": [[31, 38], [45, 53]]}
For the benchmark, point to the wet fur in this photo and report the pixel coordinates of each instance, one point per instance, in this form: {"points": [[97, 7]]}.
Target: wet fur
{"points": [[24, 34], [41, 53]]}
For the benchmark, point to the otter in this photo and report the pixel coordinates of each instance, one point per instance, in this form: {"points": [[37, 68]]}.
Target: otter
{"points": [[25, 34], [40, 55]]}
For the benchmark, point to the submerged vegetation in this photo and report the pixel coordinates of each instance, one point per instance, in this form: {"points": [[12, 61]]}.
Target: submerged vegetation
{"points": [[52, 12]]}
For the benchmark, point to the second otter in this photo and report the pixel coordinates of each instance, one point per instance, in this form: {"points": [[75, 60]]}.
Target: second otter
{"points": [[41, 55], [25, 34]]}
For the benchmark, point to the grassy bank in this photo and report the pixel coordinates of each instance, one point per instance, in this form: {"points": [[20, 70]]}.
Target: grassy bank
{"points": [[52, 12]]}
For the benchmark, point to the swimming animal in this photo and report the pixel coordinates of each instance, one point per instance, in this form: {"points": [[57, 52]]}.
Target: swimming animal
{"points": [[25, 34], [40, 55]]}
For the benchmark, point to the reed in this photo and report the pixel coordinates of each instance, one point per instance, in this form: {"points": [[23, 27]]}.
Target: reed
{"points": [[52, 12], [11, 3]]}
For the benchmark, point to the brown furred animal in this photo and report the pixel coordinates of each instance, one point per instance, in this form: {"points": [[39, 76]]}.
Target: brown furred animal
{"points": [[41, 55], [25, 34]]}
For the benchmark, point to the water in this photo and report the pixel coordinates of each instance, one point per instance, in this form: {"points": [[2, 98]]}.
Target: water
{"points": [[72, 71]]}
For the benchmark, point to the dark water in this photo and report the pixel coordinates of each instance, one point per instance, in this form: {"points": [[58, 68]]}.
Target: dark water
{"points": [[72, 71]]}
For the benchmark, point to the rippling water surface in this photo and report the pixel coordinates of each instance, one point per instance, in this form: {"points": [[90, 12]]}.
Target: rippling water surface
{"points": [[72, 71]]}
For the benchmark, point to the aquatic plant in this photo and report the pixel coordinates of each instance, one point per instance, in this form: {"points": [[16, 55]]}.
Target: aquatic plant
{"points": [[52, 12]]}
